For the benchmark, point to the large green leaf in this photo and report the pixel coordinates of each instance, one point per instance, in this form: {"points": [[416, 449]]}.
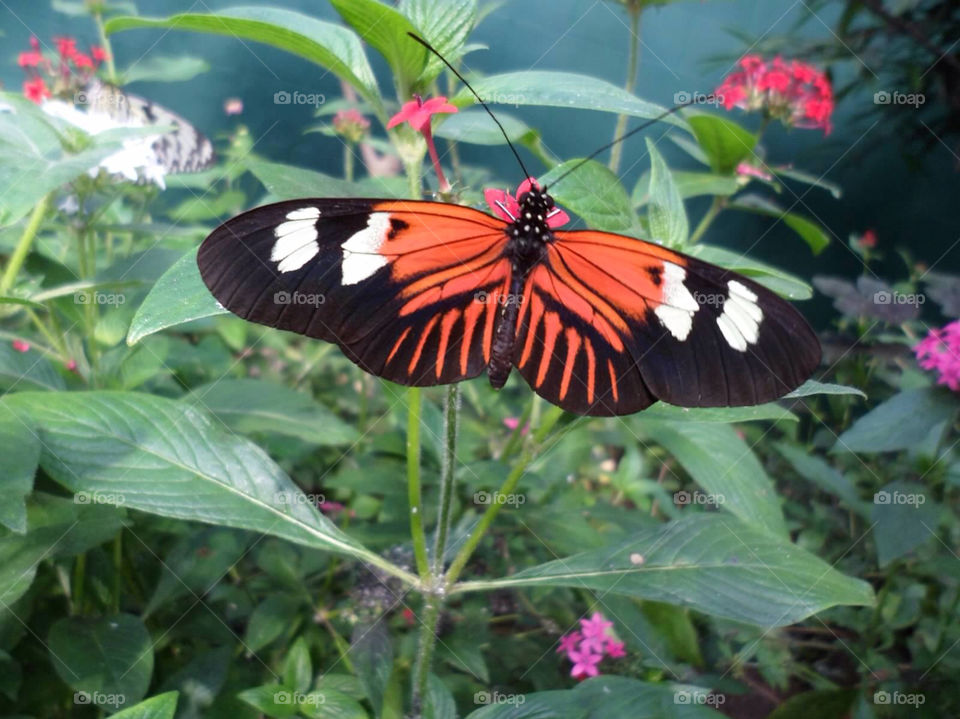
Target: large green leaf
{"points": [[19, 459], [287, 182], [178, 296], [724, 415], [783, 283], [108, 660], [476, 127], [327, 44], [903, 517], [725, 466], [905, 421], [162, 706], [811, 233], [28, 370], [723, 141], [710, 562], [666, 215], [385, 29], [594, 193], [166, 457], [372, 655], [689, 184], [816, 470], [159, 68], [445, 24], [562, 89], [250, 405]]}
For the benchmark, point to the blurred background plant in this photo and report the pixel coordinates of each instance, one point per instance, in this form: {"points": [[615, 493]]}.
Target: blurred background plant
{"points": [[792, 559]]}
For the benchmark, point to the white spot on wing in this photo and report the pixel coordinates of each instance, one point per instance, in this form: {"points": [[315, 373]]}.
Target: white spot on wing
{"points": [[361, 253], [740, 321], [296, 239], [677, 304]]}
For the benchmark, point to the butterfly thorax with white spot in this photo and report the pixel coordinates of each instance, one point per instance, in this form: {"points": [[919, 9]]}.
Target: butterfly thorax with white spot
{"points": [[529, 232]]}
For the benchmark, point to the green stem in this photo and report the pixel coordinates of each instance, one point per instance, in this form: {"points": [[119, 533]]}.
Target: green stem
{"points": [[414, 492], [715, 207], [105, 43], [450, 418], [348, 162], [22, 249], [432, 604], [509, 484], [632, 61]]}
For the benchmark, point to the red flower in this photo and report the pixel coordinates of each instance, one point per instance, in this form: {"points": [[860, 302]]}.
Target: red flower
{"points": [[418, 113], [99, 54], [29, 59], [82, 62], [507, 207], [34, 42], [66, 46], [868, 239], [21, 346], [36, 90]]}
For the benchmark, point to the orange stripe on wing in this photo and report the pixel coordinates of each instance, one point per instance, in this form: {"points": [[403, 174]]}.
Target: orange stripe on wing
{"points": [[423, 340], [551, 325], [573, 347], [591, 369], [536, 313], [397, 344], [446, 325], [470, 317], [613, 381]]}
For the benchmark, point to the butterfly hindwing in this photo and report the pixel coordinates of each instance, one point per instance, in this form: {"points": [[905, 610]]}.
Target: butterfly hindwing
{"points": [[618, 323], [409, 290]]}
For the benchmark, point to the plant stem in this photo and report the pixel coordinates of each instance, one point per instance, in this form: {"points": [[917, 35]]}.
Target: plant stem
{"points": [[432, 603], [632, 61], [414, 492], [22, 249], [105, 43], [715, 207], [451, 416], [348, 162], [509, 484]]}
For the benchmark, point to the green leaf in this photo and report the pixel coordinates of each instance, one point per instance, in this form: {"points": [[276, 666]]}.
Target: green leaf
{"points": [[723, 141], [725, 415], [331, 705], [269, 620], [18, 465], [594, 193], [297, 669], [812, 387], [273, 700], [667, 216], [688, 184], [250, 405], [816, 470], [711, 563], [108, 659], [562, 89], [372, 655], [327, 44], [438, 702], [165, 457], [445, 24], [777, 280], [904, 517], [808, 179], [27, 371], [289, 183], [162, 706], [385, 29], [477, 128], [810, 232], [159, 68], [724, 465], [904, 421], [178, 296]]}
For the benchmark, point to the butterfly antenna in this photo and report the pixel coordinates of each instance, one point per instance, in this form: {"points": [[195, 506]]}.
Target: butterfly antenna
{"points": [[479, 99], [624, 136]]}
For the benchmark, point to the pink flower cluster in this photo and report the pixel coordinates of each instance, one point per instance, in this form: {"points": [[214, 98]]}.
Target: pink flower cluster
{"points": [[71, 65], [792, 91], [586, 647], [940, 351]]}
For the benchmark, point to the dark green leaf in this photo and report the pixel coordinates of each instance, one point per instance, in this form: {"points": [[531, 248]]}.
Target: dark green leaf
{"points": [[18, 465], [297, 669], [904, 518], [26, 370], [271, 618], [594, 193], [815, 469], [372, 657], [811, 233], [445, 24], [162, 706], [904, 421], [723, 141], [666, 215]]}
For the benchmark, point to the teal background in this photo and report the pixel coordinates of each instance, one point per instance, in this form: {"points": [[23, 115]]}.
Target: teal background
{"points": [[686, 46]]}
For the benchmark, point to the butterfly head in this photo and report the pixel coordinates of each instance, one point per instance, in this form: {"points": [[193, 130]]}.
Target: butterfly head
{"points": [[531, 225]]}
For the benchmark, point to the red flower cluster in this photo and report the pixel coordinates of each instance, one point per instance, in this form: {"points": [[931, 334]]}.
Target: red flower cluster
{"points": [[71, 71], [792, 91]]}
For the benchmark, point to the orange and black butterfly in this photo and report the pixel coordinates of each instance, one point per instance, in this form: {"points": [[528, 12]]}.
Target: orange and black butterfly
{"points": [[427, 293]]}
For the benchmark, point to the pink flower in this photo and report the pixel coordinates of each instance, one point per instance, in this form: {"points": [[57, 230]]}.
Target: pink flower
{"points": [[418, 113], [512, 423], [29, 59], [21, 346], [748, 170], [82, 62], [66, 46], [595, 631], [351, 124], [99, 54], [615, 649], [568, 643], [36, 90], [940, 351], [71, 365], [868, 239], [507, 207], [233, 106], [584, 663]]}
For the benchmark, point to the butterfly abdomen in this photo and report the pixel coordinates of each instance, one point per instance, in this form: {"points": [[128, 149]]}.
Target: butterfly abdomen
{"points": [[505, 334]]}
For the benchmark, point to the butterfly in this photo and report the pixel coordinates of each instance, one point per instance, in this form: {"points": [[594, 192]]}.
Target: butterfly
{"points": [[182, 149], [425, 293]]}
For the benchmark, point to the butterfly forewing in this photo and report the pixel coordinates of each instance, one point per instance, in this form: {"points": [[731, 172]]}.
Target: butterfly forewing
{"points": [[410, 290]]}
